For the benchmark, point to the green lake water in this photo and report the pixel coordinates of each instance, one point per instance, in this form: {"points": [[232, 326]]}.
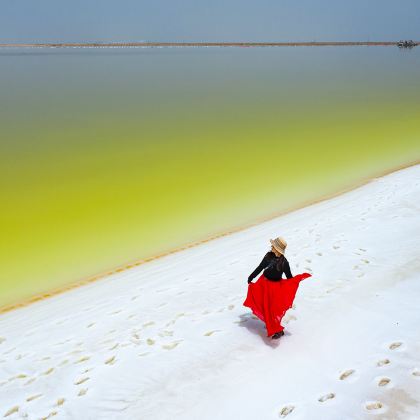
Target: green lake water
{"points": [[110, 156]]}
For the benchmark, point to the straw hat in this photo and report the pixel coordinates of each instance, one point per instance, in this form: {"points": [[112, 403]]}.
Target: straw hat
{"points": [[279, 244]]}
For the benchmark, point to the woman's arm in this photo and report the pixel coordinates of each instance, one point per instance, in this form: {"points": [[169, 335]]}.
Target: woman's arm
{"points": [[286, 269], [263, 264]]}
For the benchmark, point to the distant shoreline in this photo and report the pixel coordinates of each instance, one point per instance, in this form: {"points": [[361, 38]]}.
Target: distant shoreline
{"points": [[201, 44]]}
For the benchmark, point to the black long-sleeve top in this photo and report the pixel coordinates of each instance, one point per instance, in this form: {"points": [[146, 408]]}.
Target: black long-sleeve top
{"points": [[274, 267]]}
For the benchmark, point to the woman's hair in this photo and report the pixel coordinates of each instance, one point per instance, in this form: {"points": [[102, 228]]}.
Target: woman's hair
{"points": [[275, 252], [278, 263]]}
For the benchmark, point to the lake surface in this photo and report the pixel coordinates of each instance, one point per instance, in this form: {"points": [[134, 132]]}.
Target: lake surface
{"points": [[111, 155]]}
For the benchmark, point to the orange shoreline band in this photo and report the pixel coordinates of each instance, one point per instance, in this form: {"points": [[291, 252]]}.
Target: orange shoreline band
{"points": [[125, 267]]}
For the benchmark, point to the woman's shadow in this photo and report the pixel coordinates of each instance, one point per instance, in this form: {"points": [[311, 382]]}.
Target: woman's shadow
{"points": [[256, 326]]}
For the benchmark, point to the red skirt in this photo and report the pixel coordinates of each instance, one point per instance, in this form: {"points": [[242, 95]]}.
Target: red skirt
{"points": [[269, 300]]}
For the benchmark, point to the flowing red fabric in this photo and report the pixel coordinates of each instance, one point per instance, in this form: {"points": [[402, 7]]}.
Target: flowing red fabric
{"points": [[269, 300]]}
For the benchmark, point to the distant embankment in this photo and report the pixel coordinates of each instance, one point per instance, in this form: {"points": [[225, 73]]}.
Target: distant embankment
{"points": [[198, 44]]}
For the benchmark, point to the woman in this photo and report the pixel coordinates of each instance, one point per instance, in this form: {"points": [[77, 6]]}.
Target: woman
{"points": [[270, 297]]}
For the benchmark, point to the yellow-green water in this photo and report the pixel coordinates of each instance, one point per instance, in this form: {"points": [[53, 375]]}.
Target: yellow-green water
{"points": [[111, 156]]}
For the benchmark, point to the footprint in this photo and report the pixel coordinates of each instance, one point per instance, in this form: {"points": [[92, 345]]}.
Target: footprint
{"points": [[60, 402], [20, 376], [90, 325], [209, 333], [13, 410], [150, 342], [162, 290], [373, 405], [148, 324], [52, 414], [384, 381], [2, 340], [166, 333], [81, 380], [289, 318], [365, 261], [416, 372], [33, 397], [110, 361], [82, 392], [115, 312], [49, 371], [383, 362], [170, 346], [230, 307], [346, 374], [116, 345], [82, 359], [319, 253], [336, 247], [395, 345], [286, 410], [29, 381], [326, 397], [331, 290]]}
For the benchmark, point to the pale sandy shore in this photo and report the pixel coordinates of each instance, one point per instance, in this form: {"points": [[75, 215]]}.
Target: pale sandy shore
{"points": [[170, 338]]}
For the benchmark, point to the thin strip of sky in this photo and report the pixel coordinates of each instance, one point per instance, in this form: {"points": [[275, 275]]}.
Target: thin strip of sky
{"points": [[217, 20]]}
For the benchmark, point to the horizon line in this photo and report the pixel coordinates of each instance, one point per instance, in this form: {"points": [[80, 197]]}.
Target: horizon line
{"points": [[97, 44]]}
